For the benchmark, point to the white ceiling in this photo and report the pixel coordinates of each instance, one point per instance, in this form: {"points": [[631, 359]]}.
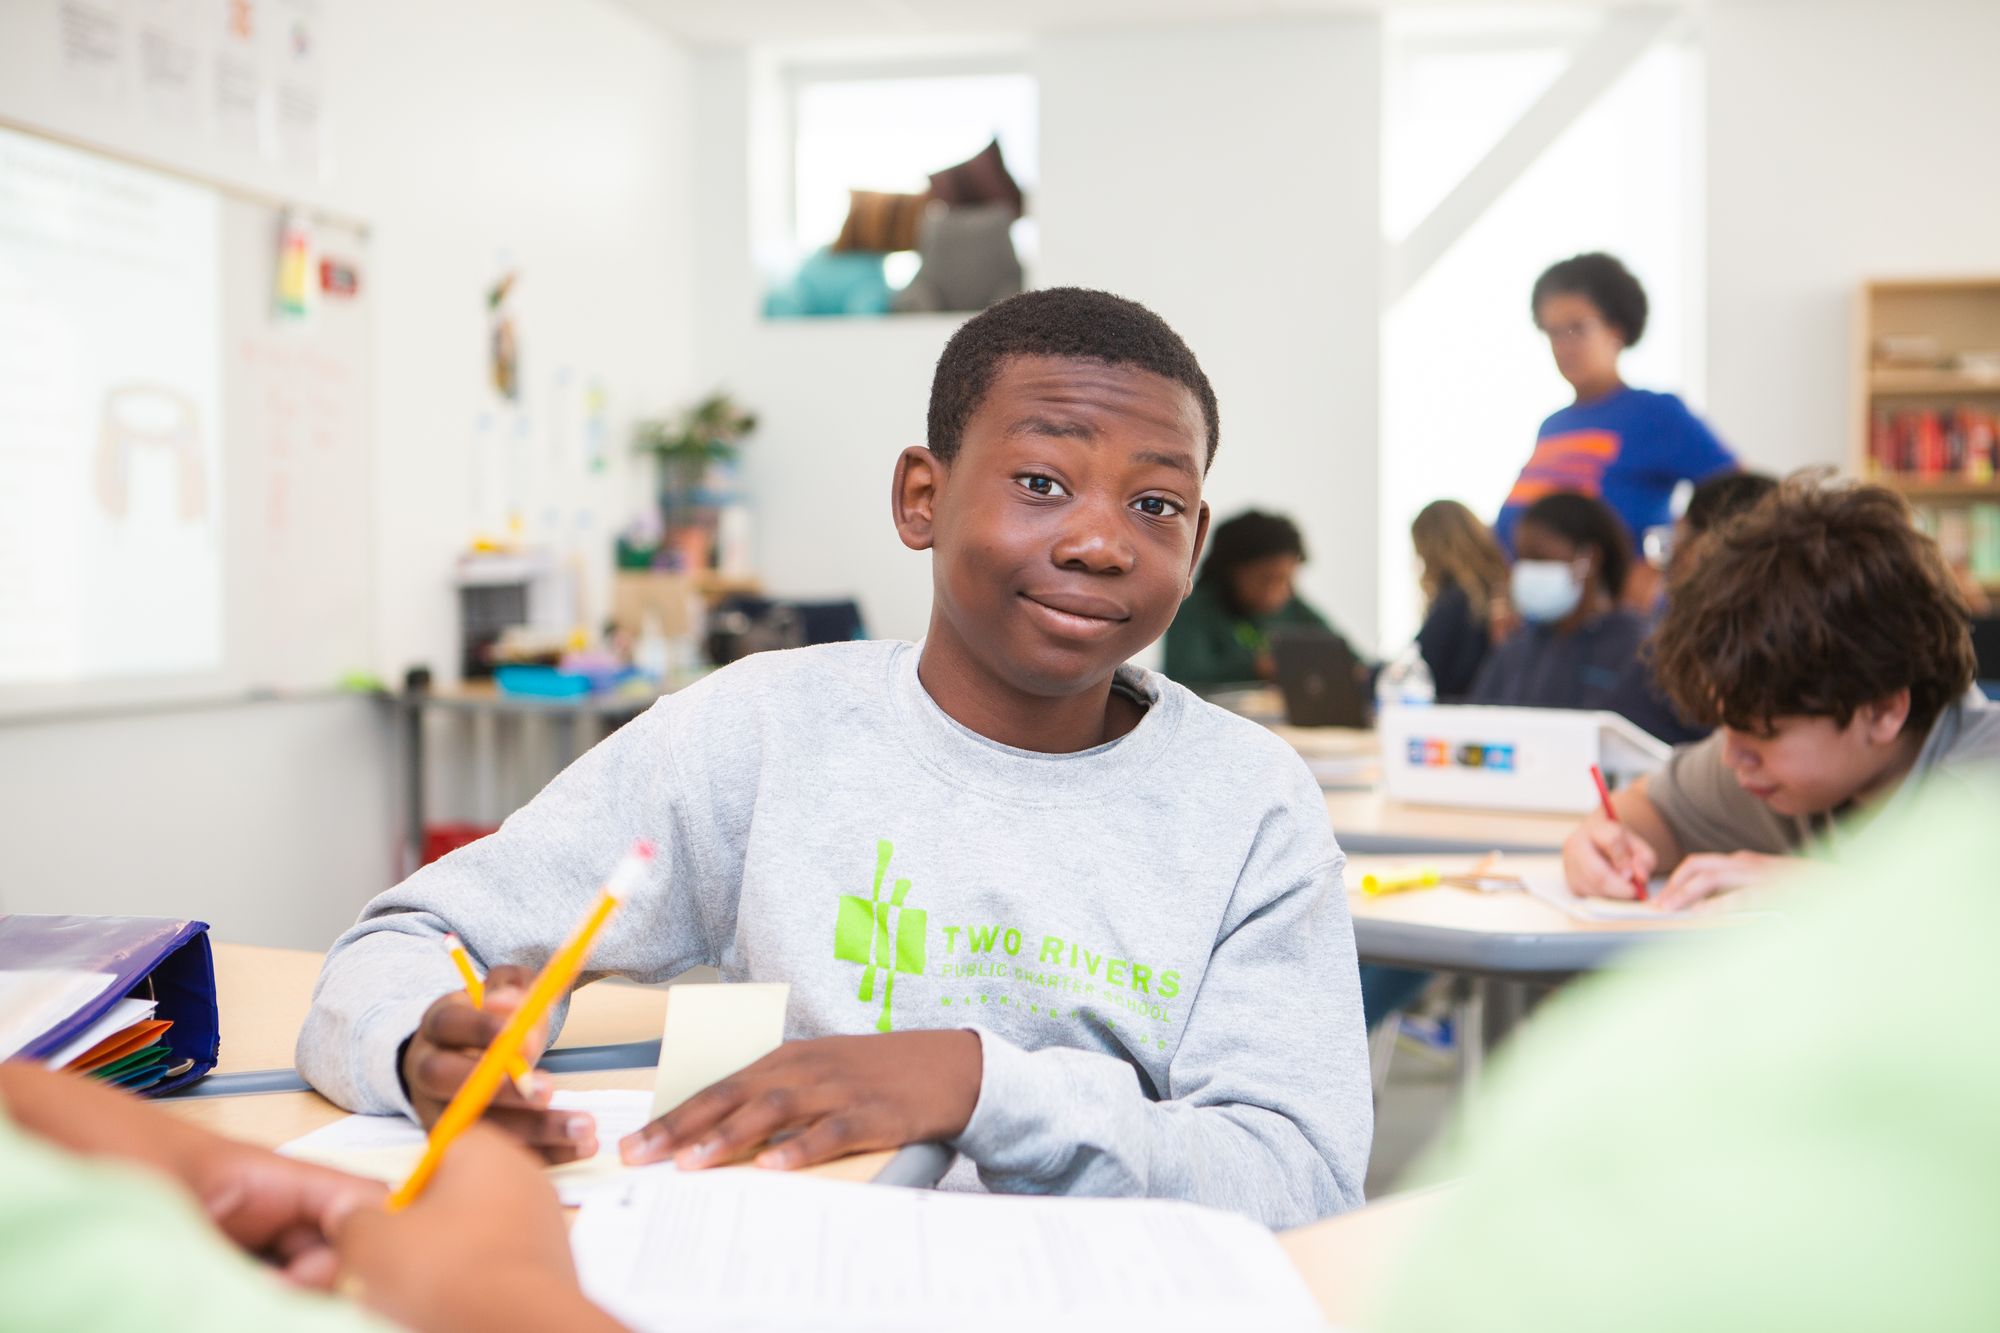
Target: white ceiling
{"points": [[757, 22]]}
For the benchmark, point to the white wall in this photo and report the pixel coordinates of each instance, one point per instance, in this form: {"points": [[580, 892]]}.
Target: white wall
{"points": [[1847, 140], [1224, 175], [553, 134]]}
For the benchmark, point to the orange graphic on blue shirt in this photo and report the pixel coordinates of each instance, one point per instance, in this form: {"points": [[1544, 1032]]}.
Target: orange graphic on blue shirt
{"points": [[1572, 461]]}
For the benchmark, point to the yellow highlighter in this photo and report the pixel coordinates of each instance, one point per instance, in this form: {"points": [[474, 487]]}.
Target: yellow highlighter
{"points": [[1376, 885], [550, 985], [475, 990]]}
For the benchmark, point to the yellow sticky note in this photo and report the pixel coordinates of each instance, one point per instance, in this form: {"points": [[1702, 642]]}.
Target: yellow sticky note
{"points": [[713, 1031]]}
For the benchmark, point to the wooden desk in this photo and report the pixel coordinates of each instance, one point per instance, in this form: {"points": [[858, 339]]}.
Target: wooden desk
{"points": [[263, 995], [1490, 934], [1345, 1259], [273, 1118], [1368, 821]]}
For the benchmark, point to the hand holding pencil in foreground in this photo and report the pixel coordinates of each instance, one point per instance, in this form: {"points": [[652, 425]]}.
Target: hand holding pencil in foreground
{"points": [[455, 1066]]}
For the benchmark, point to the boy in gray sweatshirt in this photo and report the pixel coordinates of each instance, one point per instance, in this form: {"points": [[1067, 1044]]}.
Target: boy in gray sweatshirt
{"points": [[1036, 903]]}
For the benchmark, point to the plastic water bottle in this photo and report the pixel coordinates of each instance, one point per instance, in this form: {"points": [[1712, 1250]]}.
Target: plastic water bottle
{"points": [[1405, 682]]}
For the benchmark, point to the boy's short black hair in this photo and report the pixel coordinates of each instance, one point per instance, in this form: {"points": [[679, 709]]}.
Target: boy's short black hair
{"points": [[1725, 496], [1608, 285], [1583, 521], [1821, 599], [1077, 323]]}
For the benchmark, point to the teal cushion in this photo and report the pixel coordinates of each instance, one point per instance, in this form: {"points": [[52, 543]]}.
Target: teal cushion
{"points": [[832, 283]]}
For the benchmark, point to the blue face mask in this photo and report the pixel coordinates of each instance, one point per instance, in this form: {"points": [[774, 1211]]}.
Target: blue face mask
{"points": [[1544, 591]]}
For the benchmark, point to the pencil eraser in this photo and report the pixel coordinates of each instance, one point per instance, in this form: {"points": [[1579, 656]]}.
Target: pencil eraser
{"points": [[630, 874], [643, 850]]}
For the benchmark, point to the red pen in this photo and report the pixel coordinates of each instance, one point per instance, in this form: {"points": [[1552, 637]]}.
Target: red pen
{"points": [[1611, 813]]}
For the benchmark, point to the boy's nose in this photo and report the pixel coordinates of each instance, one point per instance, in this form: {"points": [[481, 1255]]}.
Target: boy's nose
{"points": [[1095, 541]]}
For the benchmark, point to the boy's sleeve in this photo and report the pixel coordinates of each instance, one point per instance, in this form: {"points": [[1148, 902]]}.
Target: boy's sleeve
{"points": [[513, 897], [1268, 1109]]}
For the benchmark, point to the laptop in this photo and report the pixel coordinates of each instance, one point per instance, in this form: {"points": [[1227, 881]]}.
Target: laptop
{"points": [[1323, 683]]}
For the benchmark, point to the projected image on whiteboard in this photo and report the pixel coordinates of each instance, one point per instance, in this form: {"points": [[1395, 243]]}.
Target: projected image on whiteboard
{"points": [[110, 419]]}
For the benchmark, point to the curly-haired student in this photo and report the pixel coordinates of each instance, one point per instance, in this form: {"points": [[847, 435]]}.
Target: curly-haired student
{"points": [[1824, 638]]}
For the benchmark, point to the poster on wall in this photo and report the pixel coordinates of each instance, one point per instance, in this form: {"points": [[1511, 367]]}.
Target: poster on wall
{"points": [[168, 59], [293, 56], [242, 93], [93, 37]]}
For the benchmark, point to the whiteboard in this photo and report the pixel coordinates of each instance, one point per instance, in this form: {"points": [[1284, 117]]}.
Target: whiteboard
{"points": [[185, 464]]}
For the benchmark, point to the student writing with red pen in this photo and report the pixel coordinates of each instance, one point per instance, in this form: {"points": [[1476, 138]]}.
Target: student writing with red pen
{"points": [[1824, 638]]}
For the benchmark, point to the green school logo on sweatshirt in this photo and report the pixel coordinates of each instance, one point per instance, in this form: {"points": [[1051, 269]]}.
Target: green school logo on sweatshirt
{"points": [[882, 935]]}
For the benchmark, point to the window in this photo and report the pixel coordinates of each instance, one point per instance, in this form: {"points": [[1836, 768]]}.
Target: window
{"points": [[1600, 118], [887, 128]]}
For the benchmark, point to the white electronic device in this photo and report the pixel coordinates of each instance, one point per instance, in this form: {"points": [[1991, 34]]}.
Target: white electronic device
{"points": [[1510, 758]]}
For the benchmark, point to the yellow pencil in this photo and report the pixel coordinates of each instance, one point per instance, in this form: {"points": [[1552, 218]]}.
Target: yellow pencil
{"points": [[475, 990], [473, 1096]]}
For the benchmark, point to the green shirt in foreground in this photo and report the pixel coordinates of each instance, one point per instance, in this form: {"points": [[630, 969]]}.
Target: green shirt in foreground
{"points": [[105, 1247], [1793, 1126]]}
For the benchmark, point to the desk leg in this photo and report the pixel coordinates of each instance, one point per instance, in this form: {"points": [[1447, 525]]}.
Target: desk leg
{"points": [[413, 749], [1469, 1026]]}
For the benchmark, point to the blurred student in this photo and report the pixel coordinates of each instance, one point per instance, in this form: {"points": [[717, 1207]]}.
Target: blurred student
{"points": [[1673, 551], [116, 1215], [1463, 571], [1576, 641], [1631, 447], [1222, 633], [1767, 1129], [1824, 637]]}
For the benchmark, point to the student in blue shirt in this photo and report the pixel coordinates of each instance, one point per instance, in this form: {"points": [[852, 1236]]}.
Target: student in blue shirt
{"points": [[1629, 447]]}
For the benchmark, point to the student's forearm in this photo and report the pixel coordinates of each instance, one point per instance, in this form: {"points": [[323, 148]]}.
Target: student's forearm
{"points": [[77, 1113], [1639, 814]]}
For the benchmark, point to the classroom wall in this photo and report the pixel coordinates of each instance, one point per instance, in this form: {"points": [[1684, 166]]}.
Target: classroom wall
{"points": [[1225, 174], [468, 133], [1847, 139]]}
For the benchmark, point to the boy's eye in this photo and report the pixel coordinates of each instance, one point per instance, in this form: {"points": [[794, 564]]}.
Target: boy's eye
{"points": [[1038, 484], [1157, 506]]}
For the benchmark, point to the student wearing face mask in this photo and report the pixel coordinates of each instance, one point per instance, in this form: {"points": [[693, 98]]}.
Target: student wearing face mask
{"points": [[1576, 642]]}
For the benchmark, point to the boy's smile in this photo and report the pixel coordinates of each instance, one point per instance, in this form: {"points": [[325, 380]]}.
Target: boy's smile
{"points": [[1064, 533]]}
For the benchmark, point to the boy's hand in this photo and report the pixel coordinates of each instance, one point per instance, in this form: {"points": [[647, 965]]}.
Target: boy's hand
{"points": [[835, 1096], [1709, 873], [484, 1246], [449, 1042], [1599, 858]]}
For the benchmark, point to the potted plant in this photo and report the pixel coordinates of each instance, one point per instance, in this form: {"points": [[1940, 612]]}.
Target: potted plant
{"points": [[685, 445]]}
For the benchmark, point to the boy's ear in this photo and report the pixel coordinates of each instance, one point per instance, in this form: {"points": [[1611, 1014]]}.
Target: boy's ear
{"points": [[913, 496], [1885, 717], [1200, 541]]}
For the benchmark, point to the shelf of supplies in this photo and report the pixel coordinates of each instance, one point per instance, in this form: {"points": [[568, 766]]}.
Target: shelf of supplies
{"points": [[1892, 383], [1938, 488]]}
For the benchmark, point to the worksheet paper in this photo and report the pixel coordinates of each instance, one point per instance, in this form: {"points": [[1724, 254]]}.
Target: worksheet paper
{"points": [[769, 1251], [1552, 889], [386, 1147]]}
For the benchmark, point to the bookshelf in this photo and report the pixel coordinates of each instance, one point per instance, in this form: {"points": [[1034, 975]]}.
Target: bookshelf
{"points": [[1928, 409]]}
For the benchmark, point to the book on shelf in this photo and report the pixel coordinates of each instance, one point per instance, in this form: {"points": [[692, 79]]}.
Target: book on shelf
{"points": [[1934, 444], [1968, 536]]}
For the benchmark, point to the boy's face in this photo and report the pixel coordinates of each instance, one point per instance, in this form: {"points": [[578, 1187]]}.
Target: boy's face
{"points": [[1811, 765], [1066, 528]]}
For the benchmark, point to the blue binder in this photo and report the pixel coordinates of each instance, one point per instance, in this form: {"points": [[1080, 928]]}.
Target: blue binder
{"points": [[158, 958]]}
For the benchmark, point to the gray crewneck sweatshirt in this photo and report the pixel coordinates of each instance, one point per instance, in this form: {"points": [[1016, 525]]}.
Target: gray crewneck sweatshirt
{"points": [[1150, 937]]}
